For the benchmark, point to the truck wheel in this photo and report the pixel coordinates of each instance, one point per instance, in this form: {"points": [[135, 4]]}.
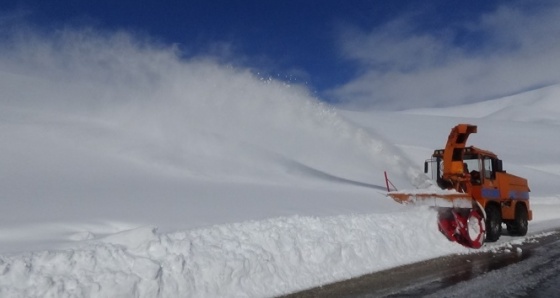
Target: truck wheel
{"points": [[493, 223], [519, 226], [476, 229]]}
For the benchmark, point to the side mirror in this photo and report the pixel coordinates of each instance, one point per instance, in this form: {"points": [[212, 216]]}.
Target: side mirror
{"points": [[425, 167], [497, 165]]}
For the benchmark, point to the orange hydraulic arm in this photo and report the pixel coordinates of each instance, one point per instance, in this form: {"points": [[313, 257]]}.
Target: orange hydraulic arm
{"points": [[453, 154]]}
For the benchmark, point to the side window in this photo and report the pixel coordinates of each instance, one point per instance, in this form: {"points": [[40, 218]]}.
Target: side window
{"points": [[472, 164], [488, 174]]}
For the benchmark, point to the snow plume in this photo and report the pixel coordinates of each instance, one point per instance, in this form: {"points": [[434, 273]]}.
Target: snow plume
{"points": [[134, 99], [98, 128], [251, 259]]}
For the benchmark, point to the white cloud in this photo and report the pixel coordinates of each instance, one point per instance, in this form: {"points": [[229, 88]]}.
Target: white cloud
{"points": [[516, 48]]}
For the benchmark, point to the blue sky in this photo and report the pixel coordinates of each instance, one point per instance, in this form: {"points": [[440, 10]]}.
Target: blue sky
{"points": [[389, 54]]}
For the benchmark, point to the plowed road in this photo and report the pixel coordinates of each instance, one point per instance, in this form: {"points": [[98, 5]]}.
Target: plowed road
{"points": [[531, 269]]}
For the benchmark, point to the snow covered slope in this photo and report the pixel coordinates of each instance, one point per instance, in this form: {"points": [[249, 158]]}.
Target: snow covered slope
{"points": [[179, 143], [128, 171], [539, 105]]}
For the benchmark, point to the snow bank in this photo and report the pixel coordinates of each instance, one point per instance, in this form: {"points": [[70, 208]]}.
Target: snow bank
{"points": [[250, 259]]}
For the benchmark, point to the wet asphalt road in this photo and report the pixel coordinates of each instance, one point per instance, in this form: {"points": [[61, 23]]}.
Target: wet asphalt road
{"points": [[530, 269]]}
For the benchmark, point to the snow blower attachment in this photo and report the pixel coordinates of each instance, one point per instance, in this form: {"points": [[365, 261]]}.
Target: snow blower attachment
{"points": [[476, 194]]}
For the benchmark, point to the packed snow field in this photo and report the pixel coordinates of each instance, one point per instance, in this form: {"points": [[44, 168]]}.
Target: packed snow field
{"points": [[127, 171]]}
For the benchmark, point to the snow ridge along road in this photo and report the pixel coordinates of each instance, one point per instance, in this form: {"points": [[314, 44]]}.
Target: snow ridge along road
{"points": [[255, 259]]}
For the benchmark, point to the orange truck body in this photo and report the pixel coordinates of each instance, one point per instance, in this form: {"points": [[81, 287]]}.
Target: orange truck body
{"points": [[473, 178], [492, 185]]}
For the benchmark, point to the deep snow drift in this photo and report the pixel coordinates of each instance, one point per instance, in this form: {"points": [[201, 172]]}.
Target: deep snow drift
{"points": [[128, 171]]}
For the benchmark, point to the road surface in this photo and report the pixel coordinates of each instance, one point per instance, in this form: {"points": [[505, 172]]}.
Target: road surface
{"points": [[530, 269]]}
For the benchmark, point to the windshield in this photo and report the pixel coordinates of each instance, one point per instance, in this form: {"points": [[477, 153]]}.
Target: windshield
{"points": [[472, 164]]}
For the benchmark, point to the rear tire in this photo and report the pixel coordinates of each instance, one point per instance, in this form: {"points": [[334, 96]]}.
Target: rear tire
{"points": [[493, 223], [520, 225]]}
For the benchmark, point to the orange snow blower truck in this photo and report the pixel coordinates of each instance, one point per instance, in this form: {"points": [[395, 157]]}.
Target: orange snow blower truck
{"points": [[476, 195]]}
